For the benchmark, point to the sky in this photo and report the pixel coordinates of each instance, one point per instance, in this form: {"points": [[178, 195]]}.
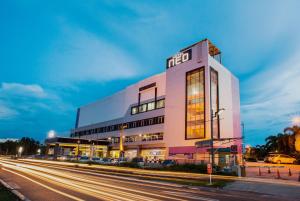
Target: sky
{"points": [[58, 55]]}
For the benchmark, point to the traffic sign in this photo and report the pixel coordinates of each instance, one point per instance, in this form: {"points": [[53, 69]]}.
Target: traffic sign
{"points": [[209, 168], [234, 149]]}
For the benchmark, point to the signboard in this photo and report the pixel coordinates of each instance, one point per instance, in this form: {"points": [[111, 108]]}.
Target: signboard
{"points": [[179, 58], [203, 144], [233, 149], [209, 168]]}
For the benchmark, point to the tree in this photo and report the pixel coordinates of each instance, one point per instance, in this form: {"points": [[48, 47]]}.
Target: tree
{"points": [[271, 143], [30, 146]]}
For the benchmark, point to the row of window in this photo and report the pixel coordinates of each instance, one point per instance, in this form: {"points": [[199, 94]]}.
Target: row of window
{"points": [[139, 138], [128, 125], [148, 106]]}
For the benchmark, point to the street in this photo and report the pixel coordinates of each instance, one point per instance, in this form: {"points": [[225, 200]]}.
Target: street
{"points": [[41, 181]]}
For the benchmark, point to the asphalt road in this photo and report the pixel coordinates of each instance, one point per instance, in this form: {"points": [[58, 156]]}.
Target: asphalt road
{"points": [[54, 182]]}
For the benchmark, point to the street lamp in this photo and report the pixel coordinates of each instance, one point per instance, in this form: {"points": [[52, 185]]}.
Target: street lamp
{"points": [[51, 134], [296, 120], [213, 115], [39, 151], [20, 150], [123, 126]]}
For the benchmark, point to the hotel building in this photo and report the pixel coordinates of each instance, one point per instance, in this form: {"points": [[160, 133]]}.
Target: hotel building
{"points": [[166, 115]]}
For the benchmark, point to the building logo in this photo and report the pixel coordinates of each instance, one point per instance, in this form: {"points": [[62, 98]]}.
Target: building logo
{"points": [[179, 58]]}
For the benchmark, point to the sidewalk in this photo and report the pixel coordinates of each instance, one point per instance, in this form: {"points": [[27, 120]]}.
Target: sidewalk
{"points": [[287, 192]]}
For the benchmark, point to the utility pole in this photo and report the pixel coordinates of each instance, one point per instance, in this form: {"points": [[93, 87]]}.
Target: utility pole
{"points": [[212, 116]]}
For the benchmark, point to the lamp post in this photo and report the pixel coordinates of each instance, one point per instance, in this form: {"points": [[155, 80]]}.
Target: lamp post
{"points": [[51, 134], [78, 142], [121, 140], [20, 150], [213, 115], [296, 120]]}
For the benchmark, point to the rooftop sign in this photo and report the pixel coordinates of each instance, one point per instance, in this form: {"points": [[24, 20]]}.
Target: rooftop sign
{"points": [[179, 58]]}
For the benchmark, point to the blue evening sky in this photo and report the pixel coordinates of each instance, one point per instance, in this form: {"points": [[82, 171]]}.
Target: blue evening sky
{"points": [[58, 55]]}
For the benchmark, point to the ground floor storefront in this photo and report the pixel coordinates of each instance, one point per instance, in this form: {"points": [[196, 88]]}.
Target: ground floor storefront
{"points": [[71, 147]]}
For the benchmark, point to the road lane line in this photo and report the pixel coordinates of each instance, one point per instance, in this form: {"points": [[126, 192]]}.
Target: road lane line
{"points": [[86, 188], [45, 186], [84, 181], [186, 195], [140, 184]]}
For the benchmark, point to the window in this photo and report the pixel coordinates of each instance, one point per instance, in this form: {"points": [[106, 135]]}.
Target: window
{"points": [[214, 100], [195, 104], [160, 103], [128, 125], [152, 137], [151, 106], [134, 110], [160, 120], [143, 108]]}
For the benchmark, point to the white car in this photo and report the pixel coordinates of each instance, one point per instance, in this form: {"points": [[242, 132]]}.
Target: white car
{"points": [[282, 158]]}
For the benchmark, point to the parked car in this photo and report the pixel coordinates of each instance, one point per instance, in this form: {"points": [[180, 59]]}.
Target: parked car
{"points": [[139, 160], [268, 158], [168, 163], [97, 159], [114, 161], [63, 158], [106, 161], [84, 159], [282, 158], [250, 158]]}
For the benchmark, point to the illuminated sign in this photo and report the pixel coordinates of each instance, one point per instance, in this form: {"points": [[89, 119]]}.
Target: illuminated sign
{"points": [[179, 58]]}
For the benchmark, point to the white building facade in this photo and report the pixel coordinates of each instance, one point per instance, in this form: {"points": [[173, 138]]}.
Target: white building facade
{"points": [[165, 115]]}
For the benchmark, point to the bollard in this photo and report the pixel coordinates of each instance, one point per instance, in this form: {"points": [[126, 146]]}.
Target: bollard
{"points": [[290, 173], [259, 172], [278, 174], [269, 170]]}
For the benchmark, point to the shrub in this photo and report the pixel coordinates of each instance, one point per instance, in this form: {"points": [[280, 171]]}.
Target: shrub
{"points": [[195, 168]]}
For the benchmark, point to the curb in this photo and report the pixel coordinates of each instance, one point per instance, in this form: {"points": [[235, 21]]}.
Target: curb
{"points": [[14, 191]]}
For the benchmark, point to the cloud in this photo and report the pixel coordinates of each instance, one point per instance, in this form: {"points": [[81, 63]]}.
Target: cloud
{"points": [[8, 139], [83, 56], [6, 112], [32, 90], [26, 101], [272, 97]]}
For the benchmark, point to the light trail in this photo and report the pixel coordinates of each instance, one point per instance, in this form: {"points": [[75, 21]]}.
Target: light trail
{"points": [[158, 185], [83, 185], [83, 188], [45, 186]]}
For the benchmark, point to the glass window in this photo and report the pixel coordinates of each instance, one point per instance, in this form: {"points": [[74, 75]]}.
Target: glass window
{"points": [[134, 110], [143, 108], [195, 104], [160, 103], [214, 100], [151, 106]]}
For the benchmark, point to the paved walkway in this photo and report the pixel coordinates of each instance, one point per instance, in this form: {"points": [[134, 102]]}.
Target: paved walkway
{"points": [[287, 192]]}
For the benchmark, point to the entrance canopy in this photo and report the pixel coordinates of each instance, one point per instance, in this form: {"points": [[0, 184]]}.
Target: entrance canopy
{"points": [[65, 140]]}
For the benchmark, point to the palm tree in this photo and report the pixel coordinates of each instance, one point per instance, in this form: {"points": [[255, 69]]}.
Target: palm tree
{"points": [[294, 138], [271, 143]]}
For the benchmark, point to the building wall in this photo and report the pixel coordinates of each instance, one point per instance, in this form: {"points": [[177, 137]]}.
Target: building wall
{"points": [[171, 85], [176, 94], [118, 105], [229, 100]]}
